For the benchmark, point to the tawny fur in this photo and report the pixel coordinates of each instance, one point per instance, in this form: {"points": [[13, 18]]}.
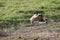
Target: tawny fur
{"points": [[38, 18]]}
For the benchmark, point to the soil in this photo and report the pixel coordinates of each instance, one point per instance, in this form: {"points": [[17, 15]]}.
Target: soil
{"points": [[40, 32]]}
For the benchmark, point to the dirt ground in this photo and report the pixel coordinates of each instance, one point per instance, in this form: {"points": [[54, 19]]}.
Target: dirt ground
{"points": [[49, 31]]}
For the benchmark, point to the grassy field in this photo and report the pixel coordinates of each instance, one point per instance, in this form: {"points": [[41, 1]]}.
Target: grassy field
{"points": [[16, 13], [24, 9], [12, 12]]}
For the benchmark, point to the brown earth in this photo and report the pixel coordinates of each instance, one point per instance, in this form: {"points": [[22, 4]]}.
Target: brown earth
{"points": [[40, 32]]}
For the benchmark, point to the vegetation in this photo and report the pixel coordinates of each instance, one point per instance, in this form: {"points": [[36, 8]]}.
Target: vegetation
{"points": [[21, 10]]}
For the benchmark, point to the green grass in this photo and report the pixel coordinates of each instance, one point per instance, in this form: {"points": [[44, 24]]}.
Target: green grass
{"points": [[15, 12], [19, 9]]}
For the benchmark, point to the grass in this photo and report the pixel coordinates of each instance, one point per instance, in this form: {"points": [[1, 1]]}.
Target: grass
{"points": [[21, 10]]}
